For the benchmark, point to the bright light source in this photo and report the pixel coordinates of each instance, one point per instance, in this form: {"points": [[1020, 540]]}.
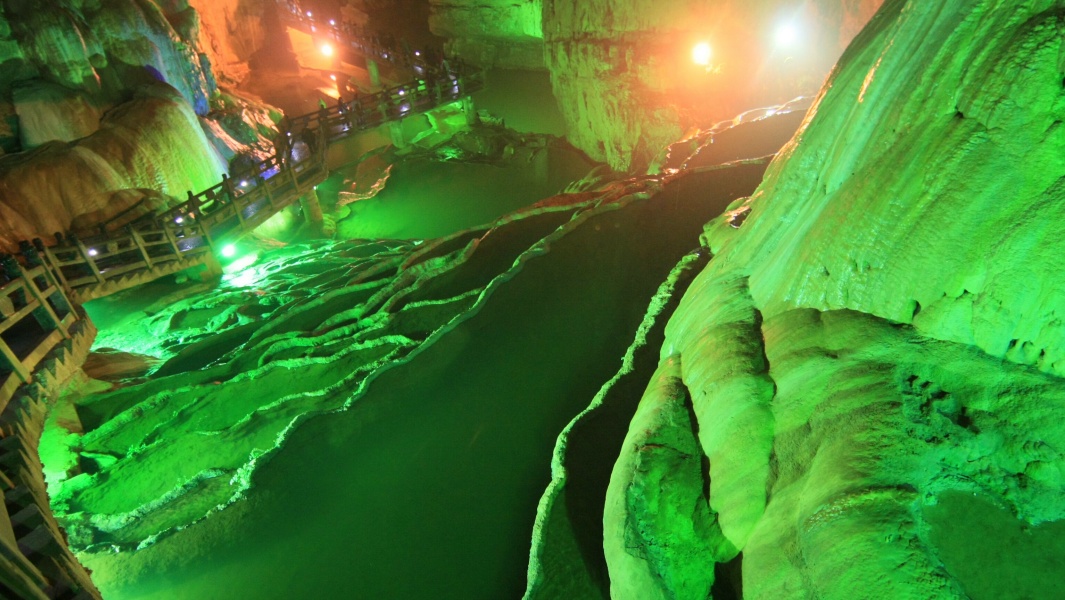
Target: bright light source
{"points": [[326, 49], [229, 251], [244, 183], [93, 252], [179, 220], [309, 14], [787, 35], [701, 54], [417, 53], [333, 77], [332, 22], [240, 273]]}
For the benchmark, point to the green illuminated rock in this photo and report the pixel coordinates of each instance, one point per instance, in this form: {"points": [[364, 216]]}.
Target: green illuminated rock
{"points": [[873, 356], [660, 538], [858, 397], [492, 33], [129, 157], [87, 74]]}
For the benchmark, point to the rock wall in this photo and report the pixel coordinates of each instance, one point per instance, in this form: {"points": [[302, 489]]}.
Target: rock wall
{"points": [[491, 33], [230, 32], [625, 80], [100, 50], [153, 144], [82, 80], [874, 355]]}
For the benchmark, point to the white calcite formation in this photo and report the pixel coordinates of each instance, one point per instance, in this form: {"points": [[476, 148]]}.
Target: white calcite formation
{"points": [[97, 48], [88, 124], [625, 79], [150, 146], [873, 358]]}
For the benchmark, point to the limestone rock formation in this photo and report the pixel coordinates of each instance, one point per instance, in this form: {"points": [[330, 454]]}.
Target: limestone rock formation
{"points": [[99, 48], [626, 84], [230, 32], [82, 98], [346, 336], [492, 33], [153, 143], [857, 397], [873, 356]]}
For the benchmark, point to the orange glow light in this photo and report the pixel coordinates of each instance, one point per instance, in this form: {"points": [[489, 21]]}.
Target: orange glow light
{"points": [[701, 54], [326, 49]]}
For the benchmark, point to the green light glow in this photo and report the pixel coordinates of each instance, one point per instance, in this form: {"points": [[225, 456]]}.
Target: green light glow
{"points": [[242, 272], [229, 251]]}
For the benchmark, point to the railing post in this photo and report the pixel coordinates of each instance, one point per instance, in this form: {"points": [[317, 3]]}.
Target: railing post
{"points": [[197, 215], [16, 365], [84, 253], [292, 175], [260, 182], [139, 242], [169, 233], [53, 262], [12, 267], [227, 185], [32, 254]]}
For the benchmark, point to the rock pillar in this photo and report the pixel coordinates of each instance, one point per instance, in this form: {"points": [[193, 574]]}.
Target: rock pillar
{"points": [[469, 110], [312, 209], [375, 74]]}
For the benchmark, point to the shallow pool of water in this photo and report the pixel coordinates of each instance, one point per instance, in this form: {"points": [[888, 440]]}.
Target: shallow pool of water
{"points": [[427, 198]]}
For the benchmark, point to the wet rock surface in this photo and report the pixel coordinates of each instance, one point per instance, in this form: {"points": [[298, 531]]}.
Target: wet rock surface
{"points": [[331, 342], [865, 377]]}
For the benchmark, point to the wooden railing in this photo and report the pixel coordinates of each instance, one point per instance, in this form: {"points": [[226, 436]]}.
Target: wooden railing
{"points": [[370, 110], [35, 316]]}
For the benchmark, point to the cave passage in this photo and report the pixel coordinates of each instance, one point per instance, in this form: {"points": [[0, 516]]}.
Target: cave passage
{"points": [[427, 486], [427, 198]]}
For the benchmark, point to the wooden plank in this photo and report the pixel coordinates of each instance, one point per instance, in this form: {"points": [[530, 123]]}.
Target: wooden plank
{"points": [[170, 238], [69, 263], [14, 319], [41, 351], [140, 247], [84, 252], [82, 281], [7, 307], [19, 575], [42, 299], [19, 369], [7, 388], [56, 265], [112, 273]]}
